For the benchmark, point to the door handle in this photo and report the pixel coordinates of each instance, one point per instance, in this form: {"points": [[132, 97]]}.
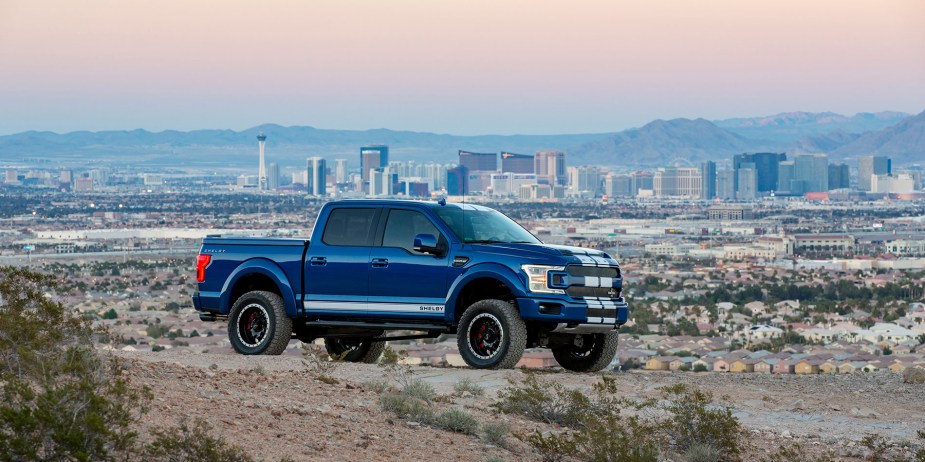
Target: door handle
{"points": [[380, 262], [319, 261]]}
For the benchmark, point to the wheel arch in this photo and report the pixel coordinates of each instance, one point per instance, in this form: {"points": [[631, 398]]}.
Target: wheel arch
{"points": [[487, 281], [258, 274]]}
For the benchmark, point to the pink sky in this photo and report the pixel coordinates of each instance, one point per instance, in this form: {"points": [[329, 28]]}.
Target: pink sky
{"points": [[446, 66]]}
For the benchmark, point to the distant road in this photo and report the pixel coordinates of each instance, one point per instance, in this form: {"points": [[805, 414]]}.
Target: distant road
{"points": [[22, 259]]}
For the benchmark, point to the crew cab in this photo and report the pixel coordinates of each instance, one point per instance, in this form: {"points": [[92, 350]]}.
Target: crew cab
{"points": [[372, 268]]}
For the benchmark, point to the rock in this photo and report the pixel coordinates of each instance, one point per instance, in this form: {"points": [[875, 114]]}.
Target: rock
{"points": [[796, 406], [785, 434]]}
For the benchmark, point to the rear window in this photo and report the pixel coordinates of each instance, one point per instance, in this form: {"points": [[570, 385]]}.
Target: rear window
{"points": [[349, 227]]}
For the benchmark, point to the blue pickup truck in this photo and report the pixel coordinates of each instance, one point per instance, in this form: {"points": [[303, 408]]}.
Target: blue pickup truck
{"points": [[418, 270]]}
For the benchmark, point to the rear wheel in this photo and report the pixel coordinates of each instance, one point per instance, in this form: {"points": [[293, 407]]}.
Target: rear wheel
{"points": [[491, 335], [587, 353], [258, 324], [355, 350]]}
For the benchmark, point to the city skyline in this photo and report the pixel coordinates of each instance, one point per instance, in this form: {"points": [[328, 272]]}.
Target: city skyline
{"points": [[608, 66]]}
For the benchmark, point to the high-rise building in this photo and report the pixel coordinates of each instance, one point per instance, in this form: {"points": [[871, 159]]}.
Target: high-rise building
{"points": [[725, 184], [457, 181], [677, 181], [340, 171], [316, 176], [262, 168], [516, 163], [786, 177], [872, 165], [66, 176], [765, 166], [436, 173], [708, 180], [383, 182], [585, 178], [897, 184], [839, 176], [373, 156], [11, 176], [618, 185], [273, 176], [549, 167], [747, 180], [810, 173], [642, 181], [479, 161]]}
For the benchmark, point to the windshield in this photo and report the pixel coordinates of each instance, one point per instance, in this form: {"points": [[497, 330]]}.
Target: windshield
{"points": [[484, 226]]}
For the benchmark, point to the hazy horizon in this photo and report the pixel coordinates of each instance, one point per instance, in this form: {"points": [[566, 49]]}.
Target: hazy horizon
{"points": [[465, 69]]}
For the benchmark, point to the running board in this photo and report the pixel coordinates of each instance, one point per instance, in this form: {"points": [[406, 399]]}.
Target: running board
{"points": [[379, 325]]}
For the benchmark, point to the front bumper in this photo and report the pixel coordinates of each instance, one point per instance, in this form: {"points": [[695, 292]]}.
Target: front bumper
{"points": [[585, 316]]}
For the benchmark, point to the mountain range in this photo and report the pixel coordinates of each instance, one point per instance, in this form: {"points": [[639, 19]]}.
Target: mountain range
{"points": [[658, 143]]}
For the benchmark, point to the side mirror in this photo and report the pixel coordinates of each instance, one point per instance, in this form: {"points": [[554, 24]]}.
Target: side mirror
{"points": [[427, 243]]}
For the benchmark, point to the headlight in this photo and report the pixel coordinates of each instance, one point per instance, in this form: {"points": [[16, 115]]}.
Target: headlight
{"points": [[538, 278]]}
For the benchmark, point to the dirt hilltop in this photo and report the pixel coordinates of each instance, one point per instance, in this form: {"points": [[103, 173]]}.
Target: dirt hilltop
{"points": [[274, 407]]}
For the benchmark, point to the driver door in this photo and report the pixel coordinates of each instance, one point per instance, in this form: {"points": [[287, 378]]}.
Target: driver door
{"points": [[403, 282]]}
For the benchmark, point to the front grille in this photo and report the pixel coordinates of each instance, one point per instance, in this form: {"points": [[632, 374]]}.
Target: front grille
{"points": [[593, 271], [598, 292]]}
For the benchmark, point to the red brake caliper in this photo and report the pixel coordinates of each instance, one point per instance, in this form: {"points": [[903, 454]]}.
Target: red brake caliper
{"points": [[250, 320], [479, 336]]}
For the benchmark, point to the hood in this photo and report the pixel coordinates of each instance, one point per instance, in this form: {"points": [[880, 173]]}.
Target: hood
{"points": [[536, 250]]}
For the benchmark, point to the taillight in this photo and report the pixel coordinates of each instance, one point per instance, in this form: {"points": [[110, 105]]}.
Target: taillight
{"points": [[201, 264]]}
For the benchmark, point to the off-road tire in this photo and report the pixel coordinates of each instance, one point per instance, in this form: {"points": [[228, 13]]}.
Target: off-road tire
{"points": [[590, 359], [510, 335], [259, 306], [354, 350]]}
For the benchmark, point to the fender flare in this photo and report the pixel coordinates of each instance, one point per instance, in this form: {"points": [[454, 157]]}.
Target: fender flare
{"points": [[264, 267], [480, 271]]}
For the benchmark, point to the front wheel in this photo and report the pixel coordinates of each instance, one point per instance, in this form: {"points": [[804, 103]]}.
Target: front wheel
{"points": [[258, 324], [587, 353], [355, 350], [491, 335]]}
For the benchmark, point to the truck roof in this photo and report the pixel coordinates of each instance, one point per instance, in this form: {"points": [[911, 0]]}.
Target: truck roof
{"points": [[387, 202]]}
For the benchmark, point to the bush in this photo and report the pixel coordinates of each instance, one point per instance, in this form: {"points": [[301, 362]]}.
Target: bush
{"points": [[110, 314], [459, 421], [192, 444], [420, 389], [496, 433], [685, 421], [699, 367], [468, 385], [692, 421], [914, 375], [548, 402], [61, 399], [407, 407]]}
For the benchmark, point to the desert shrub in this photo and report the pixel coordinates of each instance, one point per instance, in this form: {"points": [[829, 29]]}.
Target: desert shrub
{"points": [[544, 401], [60, 399], [320, 363], [459, 421], [693, 421], [377, 386], [914, 375], [882, 450], [155, 348], [468, 385], [795, 453], [407, 407], [699, 367], [192, 444], [420, 389], [700, 452], [496, 433], [391, 361], [110, 314], [686, 421]]}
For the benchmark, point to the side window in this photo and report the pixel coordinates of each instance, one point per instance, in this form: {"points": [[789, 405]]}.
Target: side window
{"points": [[349, 227], [403, 225]]}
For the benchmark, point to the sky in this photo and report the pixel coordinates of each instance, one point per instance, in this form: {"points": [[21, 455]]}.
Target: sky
{"points": [[460, 67]]}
